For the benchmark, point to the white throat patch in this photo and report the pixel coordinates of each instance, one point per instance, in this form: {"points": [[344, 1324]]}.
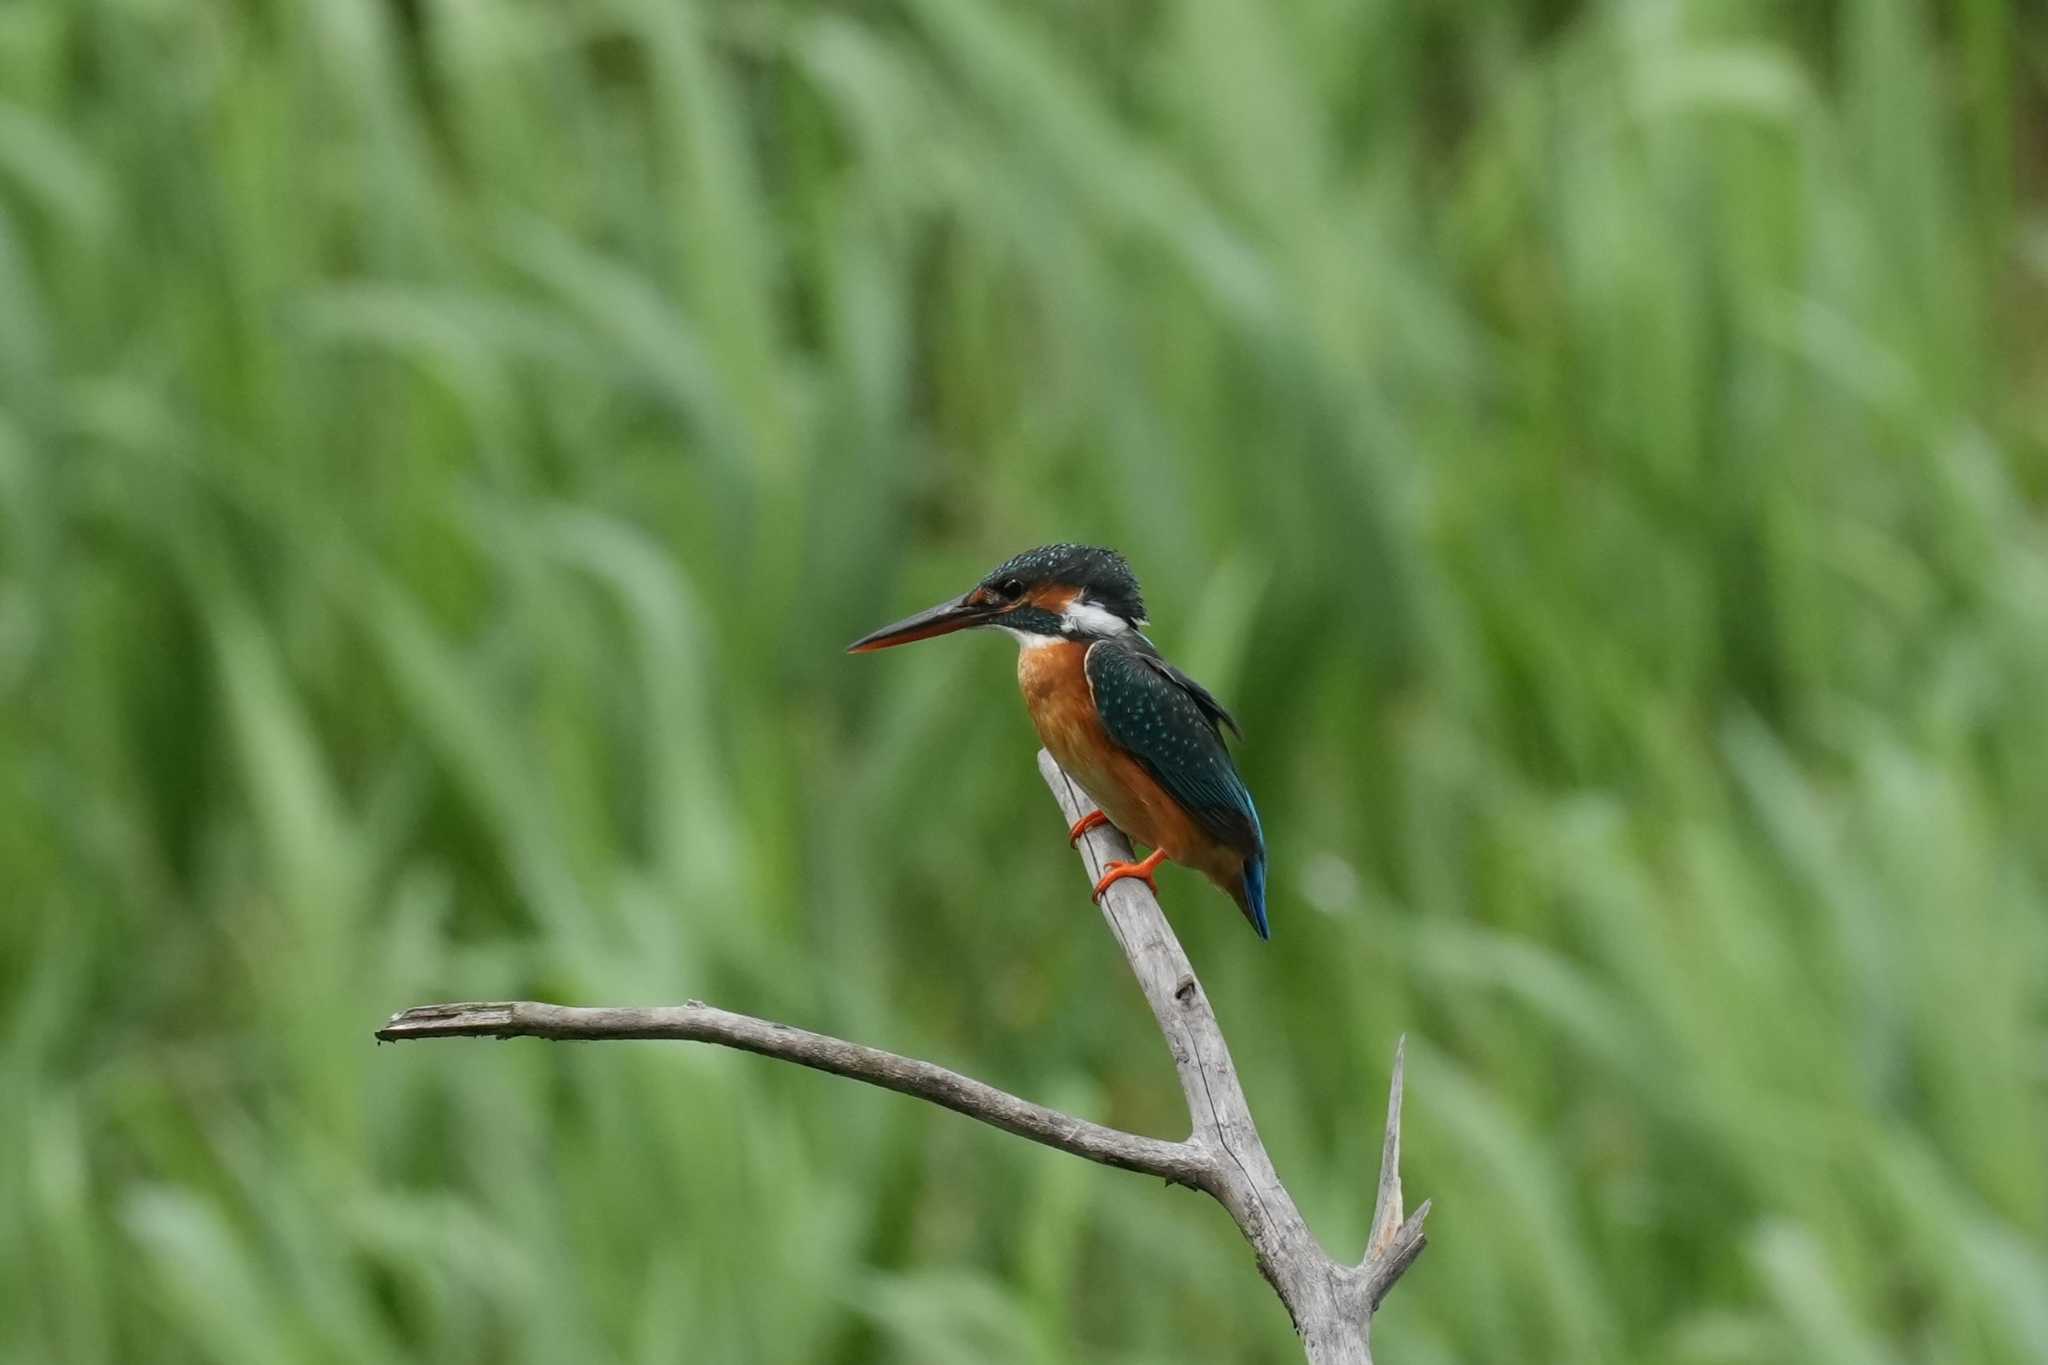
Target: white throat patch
{"points": [[1029, 639]]}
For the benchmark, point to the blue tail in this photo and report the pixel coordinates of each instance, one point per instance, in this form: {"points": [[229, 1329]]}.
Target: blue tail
{"points": [[1253, 899]]}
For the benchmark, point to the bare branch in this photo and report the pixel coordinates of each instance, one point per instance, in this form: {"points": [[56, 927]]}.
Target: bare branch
{"points": [[1386, 1208], [1383, 1268], [1393, 1243], [697, 1022], [1331, 1304], [1247, 1185]]}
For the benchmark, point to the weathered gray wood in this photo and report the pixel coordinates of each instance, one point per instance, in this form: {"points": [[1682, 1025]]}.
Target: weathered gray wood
{"points": [[1331, 1303], [697, 1022], [1393, 1242]]}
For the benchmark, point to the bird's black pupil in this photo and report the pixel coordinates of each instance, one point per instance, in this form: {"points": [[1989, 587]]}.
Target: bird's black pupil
{"points": [[1011, 587]]}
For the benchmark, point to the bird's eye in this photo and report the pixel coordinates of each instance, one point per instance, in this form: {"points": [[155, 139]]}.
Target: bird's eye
{"points": [[1011, 587]]}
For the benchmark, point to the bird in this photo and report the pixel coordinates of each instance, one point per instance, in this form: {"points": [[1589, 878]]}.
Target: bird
{"points": [[1141, 737]]}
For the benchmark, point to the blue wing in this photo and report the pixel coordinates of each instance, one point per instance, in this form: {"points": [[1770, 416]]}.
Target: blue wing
{"points": [[1174, 729]]}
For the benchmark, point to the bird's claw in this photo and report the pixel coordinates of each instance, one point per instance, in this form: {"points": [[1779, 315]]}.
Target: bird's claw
{"points": [[1084, 824], [1117, 871]]}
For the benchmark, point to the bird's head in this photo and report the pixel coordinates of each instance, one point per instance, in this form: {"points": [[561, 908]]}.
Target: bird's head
{"points": [[1056, 592]]}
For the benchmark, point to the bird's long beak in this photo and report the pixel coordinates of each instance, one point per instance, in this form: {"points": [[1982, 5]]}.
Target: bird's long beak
{"points": [[943, 619]]}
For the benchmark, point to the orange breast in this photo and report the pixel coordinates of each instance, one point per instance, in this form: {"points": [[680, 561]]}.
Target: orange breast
{"points": [[1054, 680]]}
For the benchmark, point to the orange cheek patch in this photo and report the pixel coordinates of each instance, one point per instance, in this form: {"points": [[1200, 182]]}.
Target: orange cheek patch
{"points": [[1054, 597]]}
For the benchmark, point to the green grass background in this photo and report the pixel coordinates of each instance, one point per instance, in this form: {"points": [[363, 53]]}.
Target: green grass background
{"points": [[1600, 449]]}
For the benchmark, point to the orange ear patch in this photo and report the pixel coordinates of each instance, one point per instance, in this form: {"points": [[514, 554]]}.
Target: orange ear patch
{"points": [[1053, 597]]}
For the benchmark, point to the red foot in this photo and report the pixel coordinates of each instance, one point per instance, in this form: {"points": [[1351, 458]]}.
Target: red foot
{"points": [[1084, 824], [1142, 871]]}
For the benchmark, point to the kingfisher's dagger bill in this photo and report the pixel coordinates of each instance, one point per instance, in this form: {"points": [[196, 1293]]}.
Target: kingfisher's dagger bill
{"points": [[1140, 736]]}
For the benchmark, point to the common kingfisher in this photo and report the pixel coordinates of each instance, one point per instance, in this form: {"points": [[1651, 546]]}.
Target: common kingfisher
{"points": [[1140, 736]]}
